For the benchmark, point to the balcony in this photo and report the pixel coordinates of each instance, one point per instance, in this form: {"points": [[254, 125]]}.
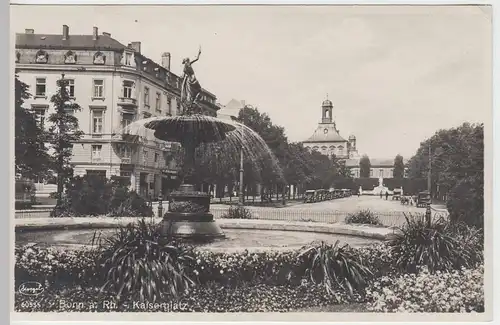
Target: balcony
{"points": [[128, 105]]}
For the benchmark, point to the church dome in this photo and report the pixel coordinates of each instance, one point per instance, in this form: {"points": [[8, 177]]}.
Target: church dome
{"points": [[327, 103]]}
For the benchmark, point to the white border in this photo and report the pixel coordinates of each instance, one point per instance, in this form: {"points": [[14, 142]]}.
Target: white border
{"points": [[302, 317]]}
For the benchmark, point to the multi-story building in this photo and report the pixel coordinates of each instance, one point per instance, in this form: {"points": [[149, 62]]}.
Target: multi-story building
{"points": [[380, 168], [115, 85], [327, 140]]}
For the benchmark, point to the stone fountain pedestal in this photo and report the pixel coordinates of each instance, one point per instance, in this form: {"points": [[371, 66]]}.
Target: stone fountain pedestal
{"points": [[189, 217]]}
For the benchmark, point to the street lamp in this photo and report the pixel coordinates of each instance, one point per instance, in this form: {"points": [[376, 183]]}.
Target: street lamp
{"points": [[428, 212]]}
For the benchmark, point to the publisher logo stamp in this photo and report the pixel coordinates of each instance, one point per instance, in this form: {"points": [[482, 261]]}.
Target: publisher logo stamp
{"points": [[31, 288]]}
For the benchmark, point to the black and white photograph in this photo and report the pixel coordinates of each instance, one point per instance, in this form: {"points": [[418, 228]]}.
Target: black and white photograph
{"points": [[270, 159]]}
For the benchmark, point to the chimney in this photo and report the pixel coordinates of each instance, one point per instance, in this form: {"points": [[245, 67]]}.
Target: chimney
{"points": [[165, 60], [29, 31], [136, 46], [65, 32], [96, 34], [106, 34]]}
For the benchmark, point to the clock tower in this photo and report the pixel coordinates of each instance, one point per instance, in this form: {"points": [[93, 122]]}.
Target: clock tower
{"points": [[326, 139]]}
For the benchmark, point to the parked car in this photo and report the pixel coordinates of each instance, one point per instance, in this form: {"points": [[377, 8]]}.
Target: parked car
{"points": [[310, 196], [423, 199], [396, 195]]}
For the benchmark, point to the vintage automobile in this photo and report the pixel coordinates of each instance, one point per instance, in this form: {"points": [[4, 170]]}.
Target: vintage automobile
{"points": [[396, 194], [423, 199], [310, 196], [346, 192]]}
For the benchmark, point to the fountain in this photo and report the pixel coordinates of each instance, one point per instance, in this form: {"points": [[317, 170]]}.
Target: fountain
{"points": [[188, 214], [380, 188]]}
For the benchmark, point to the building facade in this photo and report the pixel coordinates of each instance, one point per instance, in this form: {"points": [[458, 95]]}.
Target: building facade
{"points": [[379, 168], [114, 85], [327, 140]]}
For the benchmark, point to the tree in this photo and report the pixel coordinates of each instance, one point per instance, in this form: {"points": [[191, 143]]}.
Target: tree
{"points": [[31, 157], [457, 157], [64, 131], [364, 166], [399, 167]]}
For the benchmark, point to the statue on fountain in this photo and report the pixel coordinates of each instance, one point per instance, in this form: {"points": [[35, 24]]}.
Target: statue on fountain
{"points": [[191, 88]]}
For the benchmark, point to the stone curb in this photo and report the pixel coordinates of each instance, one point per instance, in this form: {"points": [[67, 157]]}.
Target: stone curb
{"points": [[379, 233]]}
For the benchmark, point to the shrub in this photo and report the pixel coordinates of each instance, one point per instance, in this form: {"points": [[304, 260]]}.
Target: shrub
{"points": [[439, 246], [466, 201], [364, 217], [130, 204], [455, 291], [55, 267], [92, 195], [378, 258], [139, 263], [334, 265], [237, 212]]}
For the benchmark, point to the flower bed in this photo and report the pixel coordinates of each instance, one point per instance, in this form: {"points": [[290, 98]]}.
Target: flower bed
{"points": [[138, 264], [210, 298], [455, 291]]}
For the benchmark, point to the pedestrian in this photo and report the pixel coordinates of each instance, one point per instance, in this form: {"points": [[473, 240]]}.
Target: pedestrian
{"points": [[380, 194], [386, 195]]}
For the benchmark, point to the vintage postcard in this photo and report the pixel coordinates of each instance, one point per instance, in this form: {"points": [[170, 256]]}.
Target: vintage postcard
{"points": [[239, 162]]}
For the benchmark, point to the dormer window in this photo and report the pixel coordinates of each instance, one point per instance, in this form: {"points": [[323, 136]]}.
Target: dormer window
{"points": [[128, 59], [70, 57], [99, 58], [41, 57]]}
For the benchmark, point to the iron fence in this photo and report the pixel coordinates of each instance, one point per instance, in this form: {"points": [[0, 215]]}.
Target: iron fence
{"points": [[386, 218]]}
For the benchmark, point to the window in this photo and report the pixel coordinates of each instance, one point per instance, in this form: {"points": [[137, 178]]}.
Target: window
{"points": [[156, 157], [178, 107], [99, 173], [128, 58], [98, 88], [371, 172], [125, 173], [381, 172], [127, 119], [41, 85], [158, 101], [341, 150], [40, 116], [125, 152], [145, 156], [391, 173], [146, 96], [96, 151], [127, 89], [169, 105], [71, 88], [97, 121]]}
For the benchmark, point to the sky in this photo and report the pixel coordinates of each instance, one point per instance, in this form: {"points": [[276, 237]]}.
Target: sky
{"points": [[395, 74]]}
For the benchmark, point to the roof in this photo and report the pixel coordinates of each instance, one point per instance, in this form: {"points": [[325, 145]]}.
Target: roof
{"points": [[103, 42], [327, 103], [330, 135]]}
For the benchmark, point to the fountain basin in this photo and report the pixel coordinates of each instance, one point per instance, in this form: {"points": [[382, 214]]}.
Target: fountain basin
{"points": [[236, 239]]}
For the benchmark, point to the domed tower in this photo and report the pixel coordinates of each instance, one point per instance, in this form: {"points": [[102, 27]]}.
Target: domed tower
{"points": [[327, 111], [353, 151]]}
